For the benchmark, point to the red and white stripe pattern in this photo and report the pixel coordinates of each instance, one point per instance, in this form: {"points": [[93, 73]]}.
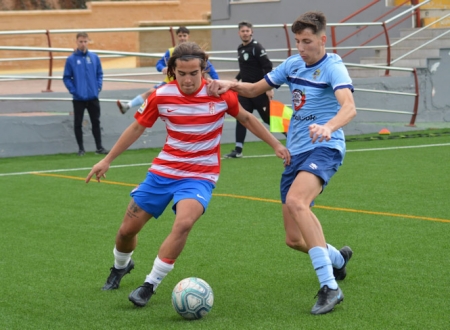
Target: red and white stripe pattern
{"points": [[194, 126]]}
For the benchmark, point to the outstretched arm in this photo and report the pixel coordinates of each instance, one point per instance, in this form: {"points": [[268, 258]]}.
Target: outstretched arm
{"points": [[128, 137], [256, 127], [217, 87]]}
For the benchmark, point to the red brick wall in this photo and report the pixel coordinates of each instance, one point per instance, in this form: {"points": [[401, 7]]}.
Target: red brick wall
{"points": [[105, 14]]}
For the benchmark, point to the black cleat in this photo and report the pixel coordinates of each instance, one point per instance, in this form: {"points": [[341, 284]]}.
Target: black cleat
{"points": [[234, 154], [116, 275], [142, 294], [340, 274], [81, 152], [327, 299], [101, 151]]}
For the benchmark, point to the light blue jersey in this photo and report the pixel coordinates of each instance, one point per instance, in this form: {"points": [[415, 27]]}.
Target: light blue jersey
{"points": [[313, 100]]}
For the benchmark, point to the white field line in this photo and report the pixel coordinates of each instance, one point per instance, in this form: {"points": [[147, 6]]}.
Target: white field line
{"points": [[255, 156], [71, 169]]}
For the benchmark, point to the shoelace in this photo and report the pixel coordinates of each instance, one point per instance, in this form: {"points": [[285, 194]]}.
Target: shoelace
{"points": [[322, 294], [147, 289]]}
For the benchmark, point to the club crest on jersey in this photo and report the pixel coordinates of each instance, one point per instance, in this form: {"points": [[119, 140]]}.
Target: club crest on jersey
{"points": [[298, 98], [245, 56], [212, 108], [316, 74], [143, 106]]}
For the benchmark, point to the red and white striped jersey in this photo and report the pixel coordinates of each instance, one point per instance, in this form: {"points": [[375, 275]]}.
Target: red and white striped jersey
{"points": [[194, 126]]}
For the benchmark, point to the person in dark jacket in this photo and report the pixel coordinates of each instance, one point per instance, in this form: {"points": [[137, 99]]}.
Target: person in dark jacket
{"points": [[253, 65], [83, 77]]}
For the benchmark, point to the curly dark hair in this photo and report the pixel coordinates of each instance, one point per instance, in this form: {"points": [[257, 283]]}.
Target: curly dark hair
{"points": [[314, 20], [185, 52]]}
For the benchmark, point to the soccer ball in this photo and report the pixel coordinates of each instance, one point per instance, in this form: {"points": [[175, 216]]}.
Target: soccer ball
{"points": [[192, 298]]}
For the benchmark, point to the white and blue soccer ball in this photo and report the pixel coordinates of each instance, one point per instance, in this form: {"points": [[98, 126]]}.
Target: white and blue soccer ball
{"points": [[192, 298]]}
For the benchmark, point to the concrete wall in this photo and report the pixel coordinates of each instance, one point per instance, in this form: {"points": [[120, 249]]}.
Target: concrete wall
{"points": [[105, 14], [53, 133]]}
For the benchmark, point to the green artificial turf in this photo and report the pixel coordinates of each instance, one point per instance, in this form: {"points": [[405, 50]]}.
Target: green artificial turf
{"points": [[389, 202]]}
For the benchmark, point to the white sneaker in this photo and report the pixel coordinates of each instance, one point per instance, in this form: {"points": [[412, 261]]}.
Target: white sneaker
{"points": [[123, 107]]}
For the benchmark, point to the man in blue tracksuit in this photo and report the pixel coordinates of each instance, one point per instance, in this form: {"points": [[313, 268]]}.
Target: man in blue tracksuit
{"points": [[83, 77]]}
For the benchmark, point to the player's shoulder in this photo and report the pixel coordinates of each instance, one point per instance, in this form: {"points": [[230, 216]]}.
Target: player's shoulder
{"points": [[294, 60], [333, 58], [228, 96]]}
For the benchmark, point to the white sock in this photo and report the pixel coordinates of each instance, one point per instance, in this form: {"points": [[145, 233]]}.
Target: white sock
{"points": [[337, 260], [322, 265], [159, 271], [138, 100], [121, 259]]}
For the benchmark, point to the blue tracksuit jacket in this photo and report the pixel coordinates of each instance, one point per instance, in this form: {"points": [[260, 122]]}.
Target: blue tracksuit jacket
{"points": [[83, 75]]}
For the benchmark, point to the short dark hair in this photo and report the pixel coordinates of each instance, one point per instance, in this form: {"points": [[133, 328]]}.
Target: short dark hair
{"points": [[245, 23], [184, 52], [82, 34], [182, 29], [314, 20]]}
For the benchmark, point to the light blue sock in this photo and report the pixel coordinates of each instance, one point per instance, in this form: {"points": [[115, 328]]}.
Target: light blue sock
{"points": [[138, 100], [337, 260], [322, 265]]}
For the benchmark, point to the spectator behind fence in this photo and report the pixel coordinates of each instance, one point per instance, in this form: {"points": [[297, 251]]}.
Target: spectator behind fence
{"points": [[183, 36], [83, 77]]}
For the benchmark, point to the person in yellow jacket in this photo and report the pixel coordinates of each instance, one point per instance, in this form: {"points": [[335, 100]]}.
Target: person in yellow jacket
{"points": [[183, 36]]}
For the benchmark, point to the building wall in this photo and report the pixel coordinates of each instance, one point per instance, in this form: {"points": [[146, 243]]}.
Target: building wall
{"points": [[105, 14]]}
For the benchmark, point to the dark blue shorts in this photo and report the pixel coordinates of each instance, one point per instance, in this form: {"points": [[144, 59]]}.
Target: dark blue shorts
{"points": [[155, 193], [322, 162]]}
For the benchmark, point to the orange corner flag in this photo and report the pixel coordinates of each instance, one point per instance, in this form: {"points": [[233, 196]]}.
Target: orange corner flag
{"points": [[280, 117]]}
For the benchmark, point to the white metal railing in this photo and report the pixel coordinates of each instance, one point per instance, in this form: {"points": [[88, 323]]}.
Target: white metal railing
{"points": [[112, 53], [424, 44]]}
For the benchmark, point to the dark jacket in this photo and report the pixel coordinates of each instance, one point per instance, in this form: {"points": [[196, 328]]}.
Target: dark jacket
{"points": [[253, 62], [83, 75]]}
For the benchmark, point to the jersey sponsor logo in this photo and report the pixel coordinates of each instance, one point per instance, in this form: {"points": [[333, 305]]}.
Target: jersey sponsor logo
{"points": [[142, 107], [305, 118], [299, 99]]}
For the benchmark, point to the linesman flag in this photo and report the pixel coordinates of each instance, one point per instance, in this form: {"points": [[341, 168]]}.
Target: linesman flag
{"points": [[280, 117]]}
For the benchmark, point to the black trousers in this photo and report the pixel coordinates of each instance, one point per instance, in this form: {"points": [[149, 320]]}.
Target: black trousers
{"points": [[93, 108], [262, 104]]}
